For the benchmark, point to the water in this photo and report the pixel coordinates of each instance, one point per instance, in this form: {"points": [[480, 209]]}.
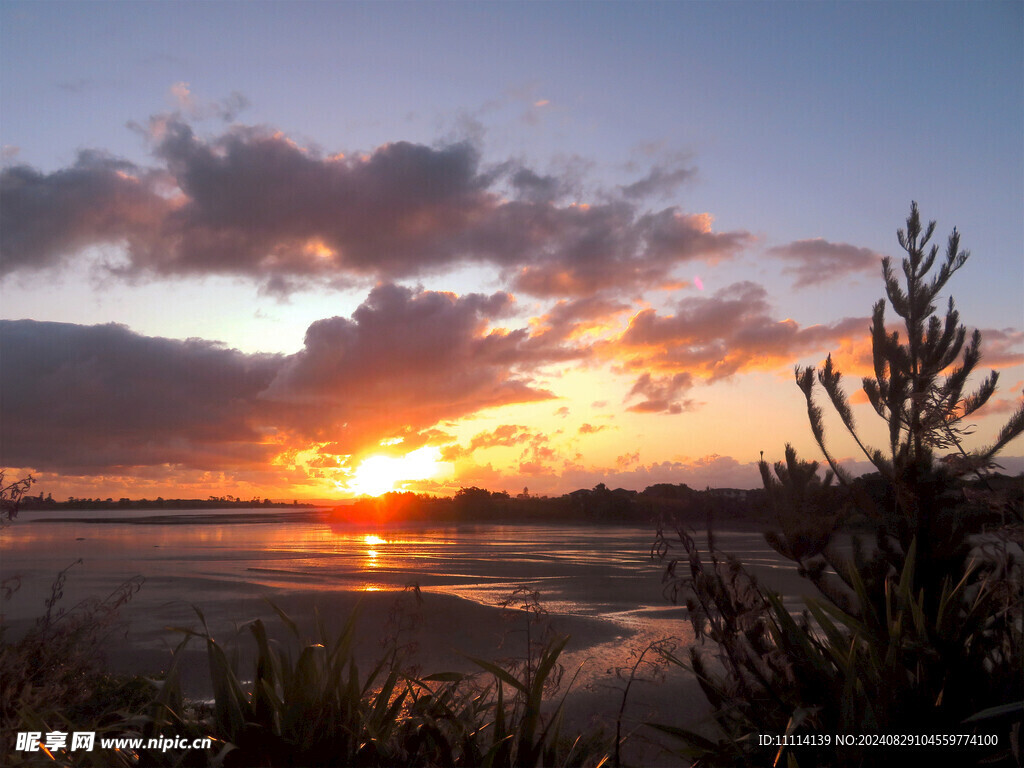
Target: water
{"points": [[598, 584]]}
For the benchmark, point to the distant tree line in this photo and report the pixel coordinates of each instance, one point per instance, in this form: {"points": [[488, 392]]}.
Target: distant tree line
{"points": [[40, 502], [599, 504]]}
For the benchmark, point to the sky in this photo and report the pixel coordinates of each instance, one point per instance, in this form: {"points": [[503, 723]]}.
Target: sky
{"points": [[316, 250]]}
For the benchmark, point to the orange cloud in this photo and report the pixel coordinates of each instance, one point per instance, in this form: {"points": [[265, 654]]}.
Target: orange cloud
{"points": [[714, 337], [95, 399], [505, 435]]}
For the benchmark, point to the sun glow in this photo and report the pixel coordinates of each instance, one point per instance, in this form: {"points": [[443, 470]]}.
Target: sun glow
{"points": [[318, 248], [380, 474]]}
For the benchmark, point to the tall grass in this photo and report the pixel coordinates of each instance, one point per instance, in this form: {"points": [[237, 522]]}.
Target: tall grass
{"points": [[54, 675], [308, 702]]}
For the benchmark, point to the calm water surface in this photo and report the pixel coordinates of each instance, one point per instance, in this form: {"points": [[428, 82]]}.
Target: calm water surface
{"points": [[579, 570], [597, 583]]}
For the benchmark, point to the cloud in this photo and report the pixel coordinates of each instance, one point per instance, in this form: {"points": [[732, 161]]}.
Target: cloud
{"points": [[535, 188], [1000, 347], [84, 399], [253, 203], [412, 358], [659, 181], [590, 429], [1001, 405], [661, 394], [818, 261], [1006, 400], [609, 246], [627, 460], [257, 203], [75, 86], [89, 399], [536, 458], [713, 471], [226, 109], [573, 319], [183, 95], [46, 219], [720, 335], [505, 435]]}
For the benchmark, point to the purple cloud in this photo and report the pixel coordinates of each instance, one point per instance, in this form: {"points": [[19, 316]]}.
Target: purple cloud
{"points": [[251, 202], [818, 261]]}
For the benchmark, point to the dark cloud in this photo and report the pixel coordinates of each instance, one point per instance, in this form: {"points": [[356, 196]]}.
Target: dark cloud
{"points": [[253, 203], [91, 399], [818, 261], [86, 399], [662, 394], [719, 335], [536, 188], [45, 219], [258, 203], [609, 246], [661, 180]]}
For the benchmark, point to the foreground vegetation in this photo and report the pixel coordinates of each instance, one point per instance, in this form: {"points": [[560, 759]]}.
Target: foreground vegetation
{"points": [[311, 708], [918, 632]]}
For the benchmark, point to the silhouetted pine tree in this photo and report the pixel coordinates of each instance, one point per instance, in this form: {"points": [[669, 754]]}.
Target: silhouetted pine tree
{"points": [[918, 388]]}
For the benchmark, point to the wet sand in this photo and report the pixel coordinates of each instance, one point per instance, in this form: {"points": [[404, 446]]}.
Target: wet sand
{"points": [[443, 631]]}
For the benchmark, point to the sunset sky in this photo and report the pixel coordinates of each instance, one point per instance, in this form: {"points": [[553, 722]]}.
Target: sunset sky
{"points": [[312, 250]]}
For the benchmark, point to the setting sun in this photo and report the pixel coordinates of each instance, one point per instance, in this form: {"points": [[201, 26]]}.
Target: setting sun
{"points": [[380, 474]]}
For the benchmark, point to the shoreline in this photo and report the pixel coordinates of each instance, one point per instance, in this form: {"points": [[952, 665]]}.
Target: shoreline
{"points": [[185, 516]]}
